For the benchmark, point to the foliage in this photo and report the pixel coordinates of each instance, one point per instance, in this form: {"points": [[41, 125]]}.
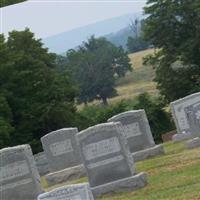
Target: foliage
{"points": [[95, 66], [137, 44], [173, 27], [9, 2], [159, 120], [39, 97]]}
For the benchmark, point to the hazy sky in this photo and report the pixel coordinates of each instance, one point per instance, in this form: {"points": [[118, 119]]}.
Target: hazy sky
{"points": [[49, 17]]}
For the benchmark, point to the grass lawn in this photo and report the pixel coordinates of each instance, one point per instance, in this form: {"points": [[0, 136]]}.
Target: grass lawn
{"points": [[174, 176]]}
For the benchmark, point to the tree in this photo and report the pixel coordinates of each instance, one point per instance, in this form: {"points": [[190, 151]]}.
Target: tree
{"points": [[174, 28], [40, 98], [9, 2], [136, 42], [95, 66]]}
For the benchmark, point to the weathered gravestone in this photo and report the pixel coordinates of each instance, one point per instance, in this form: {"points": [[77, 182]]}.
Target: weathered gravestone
{"points": [[70, 192], [186, 114], [41, 163], [107, 159], [138, 134], [193, 143], [61, 149], [63, 156], [19, 178]]}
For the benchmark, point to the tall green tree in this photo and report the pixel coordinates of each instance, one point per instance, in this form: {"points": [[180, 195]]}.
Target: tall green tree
{"points": [[40, 98], [95, 65], [174, 28]]}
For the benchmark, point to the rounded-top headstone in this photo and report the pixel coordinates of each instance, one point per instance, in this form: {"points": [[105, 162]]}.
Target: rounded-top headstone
{"points": [[105, 153], [19, 178], [136, 129], [61, 149]]}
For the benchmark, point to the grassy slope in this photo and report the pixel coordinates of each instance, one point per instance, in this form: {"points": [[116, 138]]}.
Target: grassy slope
{"points": [[137, 81], [174, 176]]}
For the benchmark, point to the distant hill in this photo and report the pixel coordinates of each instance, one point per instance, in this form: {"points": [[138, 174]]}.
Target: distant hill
{"points": [[120, 37], [115, 29]]}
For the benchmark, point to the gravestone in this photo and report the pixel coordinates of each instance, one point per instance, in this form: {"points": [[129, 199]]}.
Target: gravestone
{"points": [[186, 114], [193, 143], [70, 192], [61, 149], [19, 178], [138, 134], [41, 163], [107, 159]]}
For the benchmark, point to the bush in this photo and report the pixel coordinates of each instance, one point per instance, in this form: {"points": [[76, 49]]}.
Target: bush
{"points": [[159, 120]]}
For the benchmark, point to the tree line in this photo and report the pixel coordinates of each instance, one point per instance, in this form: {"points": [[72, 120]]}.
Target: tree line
{"points": [[39, 90]]}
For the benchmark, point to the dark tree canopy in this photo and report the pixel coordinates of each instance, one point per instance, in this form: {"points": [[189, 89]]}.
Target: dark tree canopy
{"points": [[174, 28], [9, 2], [95, 65], [36, 98]]}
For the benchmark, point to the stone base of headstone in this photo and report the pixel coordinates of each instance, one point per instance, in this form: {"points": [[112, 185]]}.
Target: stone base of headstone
{"points": [[181, 137], [148, 153], [65, 175], [193, 143], [127, 184]]}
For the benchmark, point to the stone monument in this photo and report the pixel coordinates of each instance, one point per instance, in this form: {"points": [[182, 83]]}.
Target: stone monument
{"points": [[186, 114], [107, 159], [138, 134], [63, 156], [70, 192], [19, 178]]}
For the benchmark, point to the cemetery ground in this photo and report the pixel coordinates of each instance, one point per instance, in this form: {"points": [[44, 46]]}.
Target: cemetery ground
{"points": [[174, 176]]}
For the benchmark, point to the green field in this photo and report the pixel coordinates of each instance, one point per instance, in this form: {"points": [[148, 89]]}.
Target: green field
{"points": [[174, 176]]}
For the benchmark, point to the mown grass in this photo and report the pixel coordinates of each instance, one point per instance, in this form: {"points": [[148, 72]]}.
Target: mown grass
{"points": [[173, 176]]}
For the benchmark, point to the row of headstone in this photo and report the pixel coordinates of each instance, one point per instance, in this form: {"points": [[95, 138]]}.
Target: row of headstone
{"points": [[186, 114], [63, 154], [103, 149], [20, 180], [106, 150]]}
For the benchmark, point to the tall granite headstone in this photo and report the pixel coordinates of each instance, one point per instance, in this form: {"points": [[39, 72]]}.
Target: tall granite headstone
{"points": [[186, 114], [61, 149], [136, 129], [107, 159], [19, 178], [70, 192]]}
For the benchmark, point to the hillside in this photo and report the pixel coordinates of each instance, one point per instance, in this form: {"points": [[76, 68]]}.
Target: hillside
{"points": [[115, 29], [138, 81], [174, 176]]}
